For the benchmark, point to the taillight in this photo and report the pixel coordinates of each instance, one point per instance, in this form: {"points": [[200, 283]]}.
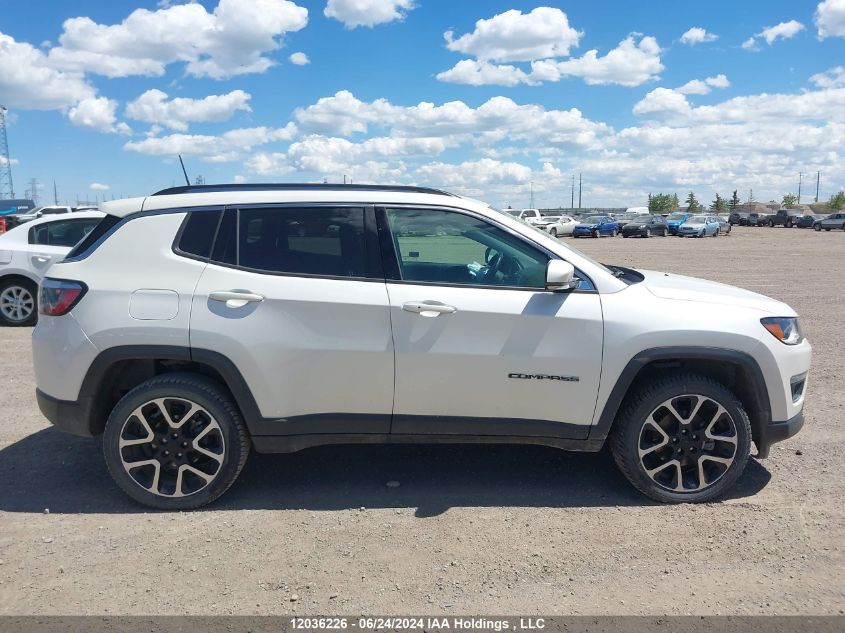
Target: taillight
{"points": [[2, 225], [58, 296]]}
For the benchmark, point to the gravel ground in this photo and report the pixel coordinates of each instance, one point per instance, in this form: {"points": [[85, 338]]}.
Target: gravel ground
{"points": [[469, 529]]}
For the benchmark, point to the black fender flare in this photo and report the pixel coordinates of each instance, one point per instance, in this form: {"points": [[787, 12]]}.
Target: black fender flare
{"points": [[644, 358]]}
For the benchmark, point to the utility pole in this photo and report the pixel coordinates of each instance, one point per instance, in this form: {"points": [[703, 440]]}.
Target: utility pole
{"points": [[818, 178], [572, 194], [579, 189], [55, 194], [33, 191], [7, 188], [800, 180], [531, 194]]}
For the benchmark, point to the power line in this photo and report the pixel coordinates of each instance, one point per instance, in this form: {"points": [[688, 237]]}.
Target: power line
{"points": [[7, 187]]}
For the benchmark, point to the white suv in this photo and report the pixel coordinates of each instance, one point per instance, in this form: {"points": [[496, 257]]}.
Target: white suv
{"points": [[200, 322]]}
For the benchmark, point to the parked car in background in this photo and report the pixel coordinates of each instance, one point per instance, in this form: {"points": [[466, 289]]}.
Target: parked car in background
{"points": [[646, 226], [699, 226], [564, 225], [737, 217], [675, 220], [833, 221], [807, 221], [784, 217], [596, 226], [758, 219], [16, 219], [26, 251], [192, 333], [724, 224]]}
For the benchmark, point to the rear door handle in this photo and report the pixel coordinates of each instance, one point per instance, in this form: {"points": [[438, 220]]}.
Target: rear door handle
{"points": [[235, 299], [428, 308]]}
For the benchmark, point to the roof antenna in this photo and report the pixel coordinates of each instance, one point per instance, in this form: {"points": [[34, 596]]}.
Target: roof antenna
{"points": [[187, 182]]}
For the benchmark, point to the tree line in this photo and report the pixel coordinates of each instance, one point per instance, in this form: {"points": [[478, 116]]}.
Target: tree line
{"points": [[669, 202]]}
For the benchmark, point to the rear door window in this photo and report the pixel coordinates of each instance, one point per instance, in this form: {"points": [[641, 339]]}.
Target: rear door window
{"points": [[321, 241], [198, 233], [66, 233]]}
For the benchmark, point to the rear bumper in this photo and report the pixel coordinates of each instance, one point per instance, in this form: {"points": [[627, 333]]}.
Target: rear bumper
{"points": [[777, 432], [70, 416]]}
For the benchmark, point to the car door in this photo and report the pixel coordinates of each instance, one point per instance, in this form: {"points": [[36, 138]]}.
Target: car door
{"points": [[51, 241], [294, 297], [481, 347]]}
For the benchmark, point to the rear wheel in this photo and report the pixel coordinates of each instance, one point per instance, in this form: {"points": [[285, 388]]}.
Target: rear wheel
{"points": [[664, 233], [594, 233], [716, 233], [614, 233], [684, 438], [175, 442], [18, 302]]}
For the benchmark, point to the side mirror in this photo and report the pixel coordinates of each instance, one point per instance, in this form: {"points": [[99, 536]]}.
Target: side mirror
{"points": [[560, 275]]}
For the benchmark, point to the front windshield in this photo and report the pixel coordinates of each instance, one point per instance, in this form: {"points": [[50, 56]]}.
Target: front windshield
{"points": [[594, 219], [700, 219], [677, 216]]}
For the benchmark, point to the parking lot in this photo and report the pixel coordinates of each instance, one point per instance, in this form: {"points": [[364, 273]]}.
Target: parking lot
{"points": [[468, 529]]}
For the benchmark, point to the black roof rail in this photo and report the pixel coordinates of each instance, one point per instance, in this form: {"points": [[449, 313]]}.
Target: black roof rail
{"points": [[283, 186]]}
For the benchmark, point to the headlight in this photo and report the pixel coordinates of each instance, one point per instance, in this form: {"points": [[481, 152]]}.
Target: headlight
{"points": [[784, 329]]}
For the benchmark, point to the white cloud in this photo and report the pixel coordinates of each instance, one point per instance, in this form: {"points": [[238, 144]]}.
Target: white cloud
{"points": [[177, 114], [784, 30], [355, 13], [698, 35], [27, 82], [630, 64], [516, 37], [832, 78], [475, 173], [830, 18], [98, 186], [97, 113], [494, 120], [481, 73], [232, 40], [216, 149], [662, 101], [699, 87], [299, 59], [750, 44]]}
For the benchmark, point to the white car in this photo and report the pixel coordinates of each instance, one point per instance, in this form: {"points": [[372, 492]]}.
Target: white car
{"points": [[201, 322], [26, 251], [564, 225]]}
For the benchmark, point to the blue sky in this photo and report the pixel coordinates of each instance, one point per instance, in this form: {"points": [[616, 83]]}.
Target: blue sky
{"points": [[102, 99]]}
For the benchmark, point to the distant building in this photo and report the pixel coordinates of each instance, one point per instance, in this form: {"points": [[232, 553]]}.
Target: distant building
{"points": [[13, 205]]}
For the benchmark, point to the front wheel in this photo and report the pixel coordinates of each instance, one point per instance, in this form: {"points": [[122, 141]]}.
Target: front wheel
{"points": [[175, 442], [595, 233], [647, 233], [684, 438], [18, 302], [553, 232], [817, 227], [716, 233]]}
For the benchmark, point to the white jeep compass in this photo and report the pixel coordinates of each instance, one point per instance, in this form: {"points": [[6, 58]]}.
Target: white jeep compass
{"points": [[200, 322]]}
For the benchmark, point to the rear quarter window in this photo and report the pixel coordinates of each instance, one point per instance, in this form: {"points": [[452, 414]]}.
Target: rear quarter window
{"points": [[197, 234]]}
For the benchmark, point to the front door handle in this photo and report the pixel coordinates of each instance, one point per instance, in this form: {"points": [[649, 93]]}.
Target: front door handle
{"points": [[235, 299], [428, 308]]}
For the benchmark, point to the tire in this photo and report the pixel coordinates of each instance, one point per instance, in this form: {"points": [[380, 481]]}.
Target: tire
{"points": [[789, 225], [827, 230], [625, 236], [595, 233], [553, 232], [771, 224], [716, 233], [221, 456], [647, 233], [685, 443], [18, 302], [614, 233], [817, 227], [665, 233]]}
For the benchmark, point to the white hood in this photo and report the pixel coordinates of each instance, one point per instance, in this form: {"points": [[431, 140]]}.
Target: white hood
{"points": [[681, 288]]}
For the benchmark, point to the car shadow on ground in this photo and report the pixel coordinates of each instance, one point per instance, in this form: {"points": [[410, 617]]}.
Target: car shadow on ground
{"points": [[65, 474]]}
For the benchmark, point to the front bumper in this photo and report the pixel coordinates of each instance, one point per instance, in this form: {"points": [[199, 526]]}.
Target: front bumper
{"points": [[70, 416], [775, 432]]}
